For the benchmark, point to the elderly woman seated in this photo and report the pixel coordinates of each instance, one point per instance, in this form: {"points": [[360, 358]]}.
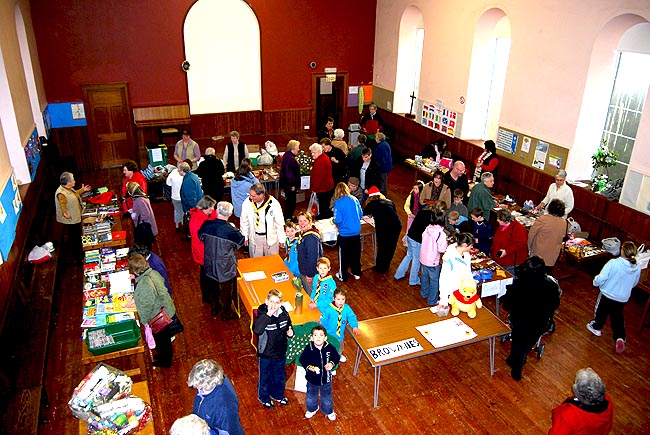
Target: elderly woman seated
{"points": [[590, 411]]}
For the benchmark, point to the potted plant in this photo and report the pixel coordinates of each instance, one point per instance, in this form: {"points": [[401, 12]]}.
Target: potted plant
{"points": [[601, 161]]}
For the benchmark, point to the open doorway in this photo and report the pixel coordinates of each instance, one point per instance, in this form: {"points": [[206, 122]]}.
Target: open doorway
{"points": [[330, 99]]}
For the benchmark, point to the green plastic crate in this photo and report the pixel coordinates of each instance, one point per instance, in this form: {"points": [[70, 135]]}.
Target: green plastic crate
{"points": [[124, 335]]}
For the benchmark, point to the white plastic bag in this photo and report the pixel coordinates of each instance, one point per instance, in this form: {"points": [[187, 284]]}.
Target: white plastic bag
{"points": [[612, 245], [574, 227], [39, 254], [313, 206], [642, 256]]}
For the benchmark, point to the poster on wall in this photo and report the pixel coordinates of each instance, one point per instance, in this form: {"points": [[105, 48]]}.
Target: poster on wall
{"points": [[541, 150], [555, 161], [525, 144], [10, 208], [439, 118], [507, 141]]}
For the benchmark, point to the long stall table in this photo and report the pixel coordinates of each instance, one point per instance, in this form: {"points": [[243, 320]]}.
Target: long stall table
{"points": [[252, 293], [329, 233], [389, 332]]}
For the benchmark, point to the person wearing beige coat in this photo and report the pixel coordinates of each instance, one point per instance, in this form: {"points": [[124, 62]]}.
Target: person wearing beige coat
{"points": [[547, 234], [436, 190]]}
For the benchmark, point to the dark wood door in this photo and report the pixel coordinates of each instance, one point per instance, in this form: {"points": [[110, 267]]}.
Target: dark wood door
{"points": [[329, 102], [110, 124]]}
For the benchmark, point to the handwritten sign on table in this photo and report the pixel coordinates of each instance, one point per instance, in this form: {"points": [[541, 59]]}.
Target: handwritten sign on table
{"points": [[393, 350], [447, 332]]}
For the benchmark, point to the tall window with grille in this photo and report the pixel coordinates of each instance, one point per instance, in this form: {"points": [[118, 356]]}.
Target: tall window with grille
{"points": [[625, 108]]}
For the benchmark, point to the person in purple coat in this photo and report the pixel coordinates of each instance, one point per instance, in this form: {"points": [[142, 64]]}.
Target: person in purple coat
{"points": [[290, 178]]}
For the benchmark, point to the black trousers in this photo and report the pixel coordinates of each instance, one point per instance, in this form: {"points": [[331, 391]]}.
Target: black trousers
{"points": [[607, 307], [228, 293], [209, 291], [164, 350], [324, 198], [289, 203], [386, 244], [523, 339], [350, 254]]}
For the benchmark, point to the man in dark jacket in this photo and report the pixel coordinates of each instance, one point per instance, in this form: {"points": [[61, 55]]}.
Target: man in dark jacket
{"points": [[272, 325], [221, 241], [368, 172], [290, 178]]}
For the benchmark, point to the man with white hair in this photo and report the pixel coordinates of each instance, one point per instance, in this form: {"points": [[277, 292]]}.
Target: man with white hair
{"points": [[373, 116], [221, 241], [262, 222], [558, 190], [210, 171]]}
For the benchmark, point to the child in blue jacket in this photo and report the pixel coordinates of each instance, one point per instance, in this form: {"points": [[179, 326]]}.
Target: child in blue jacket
{"points": [[291, 244], [324, 285], [336, 316]]}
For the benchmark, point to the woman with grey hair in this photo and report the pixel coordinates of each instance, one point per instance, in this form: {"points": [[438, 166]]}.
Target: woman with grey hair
{"points": [[204, 211], [590, 411], [216, 401], [211, 171], [191, 425], [558, 190], [338, 141], [68, 209]]}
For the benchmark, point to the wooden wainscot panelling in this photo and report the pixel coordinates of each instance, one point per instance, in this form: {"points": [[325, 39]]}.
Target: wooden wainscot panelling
{"points": [[221, 124], [73, 144], [635, 224], [286, 121]]}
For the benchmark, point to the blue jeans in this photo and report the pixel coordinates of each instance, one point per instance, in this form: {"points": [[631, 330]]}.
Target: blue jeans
{"points": [[326, 403], [272, 379], [430, 281], [412, 256]]}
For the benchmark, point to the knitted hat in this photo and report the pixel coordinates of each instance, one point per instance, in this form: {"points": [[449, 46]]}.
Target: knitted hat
{"points": [[373, 191]]}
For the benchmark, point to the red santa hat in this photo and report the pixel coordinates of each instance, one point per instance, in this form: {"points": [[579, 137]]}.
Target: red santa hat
{"points": [[373, 191]]}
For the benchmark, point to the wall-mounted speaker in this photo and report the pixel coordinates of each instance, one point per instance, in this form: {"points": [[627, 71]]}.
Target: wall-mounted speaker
{"points": [[312, 64], [185, 65]]}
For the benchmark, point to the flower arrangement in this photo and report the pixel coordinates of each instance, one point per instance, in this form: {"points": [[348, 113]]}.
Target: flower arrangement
{"points": [[305, 162], [603, 158]]}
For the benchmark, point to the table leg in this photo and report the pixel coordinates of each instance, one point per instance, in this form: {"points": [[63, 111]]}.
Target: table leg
{"points": [[377, 379], [492, 341], [143, 368], [357, 360]]}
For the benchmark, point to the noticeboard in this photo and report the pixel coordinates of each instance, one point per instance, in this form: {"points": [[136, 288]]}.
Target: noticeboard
{"points": [[531, 151]]}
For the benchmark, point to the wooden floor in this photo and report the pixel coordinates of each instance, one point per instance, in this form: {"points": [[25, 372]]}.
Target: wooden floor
{"points": [[450, 393]]}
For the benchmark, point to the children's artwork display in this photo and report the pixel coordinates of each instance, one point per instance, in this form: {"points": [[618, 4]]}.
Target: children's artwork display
{"points": [[10, 207], [439, 118]]}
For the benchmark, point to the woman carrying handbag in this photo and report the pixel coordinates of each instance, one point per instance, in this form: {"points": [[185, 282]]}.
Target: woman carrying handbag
{"points": [[151, 298]]}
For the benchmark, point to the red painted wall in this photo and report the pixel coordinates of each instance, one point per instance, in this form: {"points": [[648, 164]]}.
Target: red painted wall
{"points": [[82, 42]]}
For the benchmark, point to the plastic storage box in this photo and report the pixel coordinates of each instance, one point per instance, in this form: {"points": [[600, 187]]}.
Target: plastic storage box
{"points": [[113, 337]]}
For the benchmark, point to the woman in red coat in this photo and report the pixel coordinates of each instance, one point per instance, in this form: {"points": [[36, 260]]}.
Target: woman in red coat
{"points": [[131, 174], [321, 180], [510, 243], [204, 211], [590, 411]]}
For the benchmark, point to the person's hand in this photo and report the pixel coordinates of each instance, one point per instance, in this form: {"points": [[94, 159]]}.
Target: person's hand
{"points": [[311, 305], [329, 366], [411, 215], [309, 279], [333, 159], [86, 187], [501, 253], [66, 215], [293, 188], [246, 242], [281, 245], [290, 332], [272, 307], [475, 240], [356, 331]]}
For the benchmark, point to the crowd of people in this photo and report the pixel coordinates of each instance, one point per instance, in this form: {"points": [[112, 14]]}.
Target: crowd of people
{"points": [[447, 218]]}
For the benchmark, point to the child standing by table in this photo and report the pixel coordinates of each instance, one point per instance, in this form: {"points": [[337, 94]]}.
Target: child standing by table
{"points": [[272, 326], [318, 359], [324, 285], [482, 230], [434, 244], [456, 264], [291, 244], [616, 281], [335, 318]]}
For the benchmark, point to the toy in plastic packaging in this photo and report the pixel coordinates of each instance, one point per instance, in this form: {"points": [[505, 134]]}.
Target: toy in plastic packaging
{"points": [[103, 384]]}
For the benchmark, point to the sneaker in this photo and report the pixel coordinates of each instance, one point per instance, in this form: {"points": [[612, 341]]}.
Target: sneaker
{"points": [[333, 372], [620, 345], [284, 401], [343, 358], [338, 276], [356, 276], [596, 332], [173, 338], [310, 414], [267, 405], [332, 416]]}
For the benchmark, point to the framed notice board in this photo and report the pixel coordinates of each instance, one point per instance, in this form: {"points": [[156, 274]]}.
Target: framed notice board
{"points": [[531, 151]]}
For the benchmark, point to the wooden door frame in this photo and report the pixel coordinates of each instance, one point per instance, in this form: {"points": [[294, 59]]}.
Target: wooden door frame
{"points": [[315, 76], [123, 87]]}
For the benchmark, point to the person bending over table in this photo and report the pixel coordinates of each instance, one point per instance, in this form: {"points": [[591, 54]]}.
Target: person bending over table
{"points": [[481, 196], [510, 243], [436, 190], [547, 234], [558, 190], [131, 173], [387, 227], [456, 265], [347, 217]]}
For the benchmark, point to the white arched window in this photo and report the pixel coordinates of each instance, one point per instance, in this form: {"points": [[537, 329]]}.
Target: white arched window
{"points": [[487, 76], [222, 46], [409, 59]]}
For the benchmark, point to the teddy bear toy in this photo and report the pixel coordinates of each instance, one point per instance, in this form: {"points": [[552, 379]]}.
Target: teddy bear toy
{"points": [[465, 298]]}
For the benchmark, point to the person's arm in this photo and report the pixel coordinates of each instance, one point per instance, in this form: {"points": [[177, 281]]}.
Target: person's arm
{"points": [[246, 150], [491, 165], [278, 221], [353, 321], [261, 320], [63, 203], [546, 199], [568, 201], [244, 225], [604, 274], [177, 153], [407, 205], [197, 153]]}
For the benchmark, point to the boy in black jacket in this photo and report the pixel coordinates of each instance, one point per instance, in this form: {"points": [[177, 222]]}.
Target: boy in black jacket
{"points": [[272, 326], [318, 359]]}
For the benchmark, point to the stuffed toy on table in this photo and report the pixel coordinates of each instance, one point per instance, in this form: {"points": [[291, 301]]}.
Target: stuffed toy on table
{"points": [[465, 299]]}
